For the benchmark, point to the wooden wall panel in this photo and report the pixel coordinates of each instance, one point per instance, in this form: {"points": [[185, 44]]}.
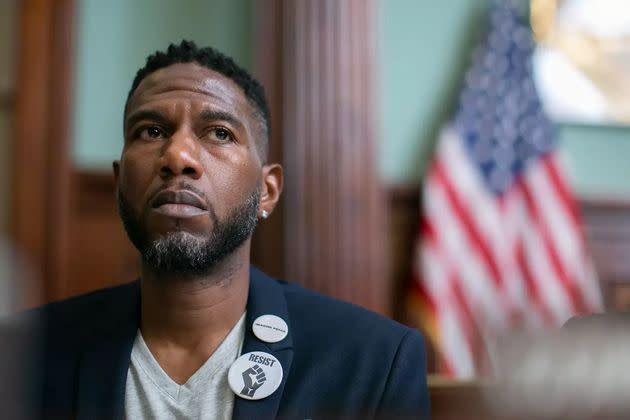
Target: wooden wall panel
{"points": [[606, 229], [334, 208], [268, 242], [59, 146], [403, 211], [40, 172], [100, 255], [28, 200], [457, 400]]}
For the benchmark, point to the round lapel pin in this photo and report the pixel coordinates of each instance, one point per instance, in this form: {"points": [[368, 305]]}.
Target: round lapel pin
{"points": [[255, 375], [270, 328]]}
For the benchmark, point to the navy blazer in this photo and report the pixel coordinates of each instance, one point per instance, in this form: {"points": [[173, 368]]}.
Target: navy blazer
{"points": [[338, 360]]}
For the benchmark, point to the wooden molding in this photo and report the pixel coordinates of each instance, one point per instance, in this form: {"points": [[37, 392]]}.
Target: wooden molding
{"points": [[334, 208], [59, 145], [268, 245], [40, 149], [93, 193], [100, 255], [607, 231], [403, 217]]}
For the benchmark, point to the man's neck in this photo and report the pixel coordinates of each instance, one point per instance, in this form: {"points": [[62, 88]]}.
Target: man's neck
{"points": [[183, 320]]}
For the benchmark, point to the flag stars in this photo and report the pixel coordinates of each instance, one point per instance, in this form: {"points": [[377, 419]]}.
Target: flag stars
{"points": [[500, 116]]}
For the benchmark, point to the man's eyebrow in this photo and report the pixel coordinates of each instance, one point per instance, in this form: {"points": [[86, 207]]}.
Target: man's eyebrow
{"points": [[213, 115], [145, 115]]}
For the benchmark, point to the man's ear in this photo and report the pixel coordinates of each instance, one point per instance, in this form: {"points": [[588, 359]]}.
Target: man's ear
{"points": [[271, 188]]}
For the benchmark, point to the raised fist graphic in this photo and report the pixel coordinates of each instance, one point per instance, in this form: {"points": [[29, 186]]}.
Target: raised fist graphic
{"points": [[253, 378]]}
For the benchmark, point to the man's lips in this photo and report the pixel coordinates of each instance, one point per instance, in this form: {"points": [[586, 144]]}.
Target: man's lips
{"points": [[180, 203]]}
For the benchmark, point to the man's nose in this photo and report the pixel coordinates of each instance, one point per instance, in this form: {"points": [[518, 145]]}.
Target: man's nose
{"points": [[180, 156]]}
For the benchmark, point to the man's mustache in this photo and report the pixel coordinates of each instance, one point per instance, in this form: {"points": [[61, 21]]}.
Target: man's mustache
{"points": [[180, 186]]}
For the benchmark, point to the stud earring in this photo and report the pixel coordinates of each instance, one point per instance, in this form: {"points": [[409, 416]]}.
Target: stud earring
{"points": [[264, 214]]}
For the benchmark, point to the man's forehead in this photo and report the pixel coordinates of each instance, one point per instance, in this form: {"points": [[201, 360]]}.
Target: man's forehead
{"points": [[188, 78]]}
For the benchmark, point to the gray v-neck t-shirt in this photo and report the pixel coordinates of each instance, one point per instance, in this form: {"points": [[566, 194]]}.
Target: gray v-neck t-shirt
{"points": [[151, 394]]}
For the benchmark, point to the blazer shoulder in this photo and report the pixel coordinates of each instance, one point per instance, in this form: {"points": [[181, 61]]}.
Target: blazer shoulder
{"points": [[388, 359], [87, 308]]}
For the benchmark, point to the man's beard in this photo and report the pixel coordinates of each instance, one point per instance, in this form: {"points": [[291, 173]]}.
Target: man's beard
{"points": [[184, 254]]}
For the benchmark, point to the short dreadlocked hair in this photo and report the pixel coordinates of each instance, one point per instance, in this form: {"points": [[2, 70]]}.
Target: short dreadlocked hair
{"points": [[188, 52]]}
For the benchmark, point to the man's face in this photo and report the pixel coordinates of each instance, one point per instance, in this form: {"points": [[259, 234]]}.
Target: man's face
{"points": [[190, 176]]}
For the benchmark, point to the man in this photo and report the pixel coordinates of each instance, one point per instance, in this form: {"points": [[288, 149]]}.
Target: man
{"points": [[202, 334]]}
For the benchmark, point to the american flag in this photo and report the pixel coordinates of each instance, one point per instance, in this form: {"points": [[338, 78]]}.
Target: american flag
{"points": [[500, 245]]}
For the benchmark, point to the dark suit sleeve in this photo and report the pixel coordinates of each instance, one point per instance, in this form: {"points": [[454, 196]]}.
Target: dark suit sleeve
{"points": [[406, 394], [21, 365]]}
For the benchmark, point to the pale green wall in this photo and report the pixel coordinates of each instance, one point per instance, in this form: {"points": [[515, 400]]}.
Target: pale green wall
{"points": [[597, 158], [114, 39], [423, 51]]}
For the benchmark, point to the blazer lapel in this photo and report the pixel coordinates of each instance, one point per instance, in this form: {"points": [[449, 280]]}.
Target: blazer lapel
{"points": [[104, 363], [265, 297]]}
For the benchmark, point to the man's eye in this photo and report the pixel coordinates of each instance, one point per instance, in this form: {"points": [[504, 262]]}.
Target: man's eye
{"points": [[221, 134], [151, 133]]}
